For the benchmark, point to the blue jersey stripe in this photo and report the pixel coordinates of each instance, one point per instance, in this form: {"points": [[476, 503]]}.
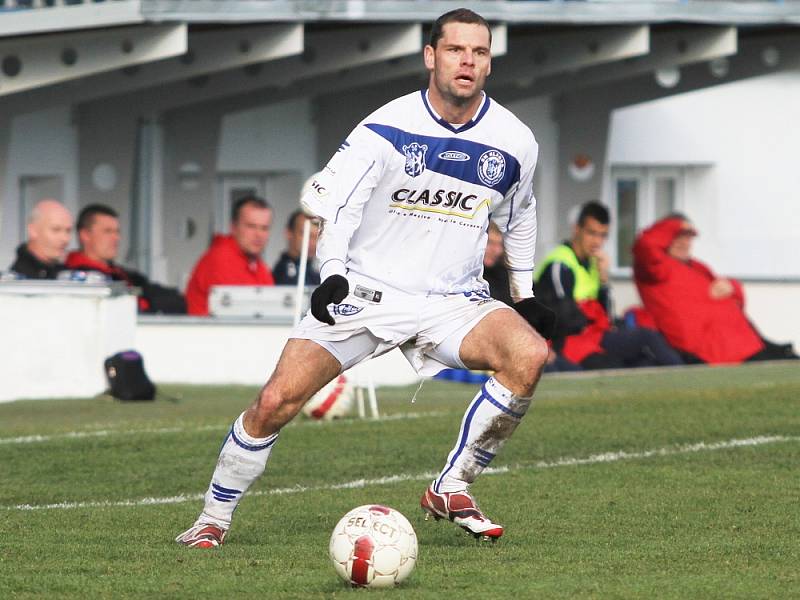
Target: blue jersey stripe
{"points": [[465, 160]]}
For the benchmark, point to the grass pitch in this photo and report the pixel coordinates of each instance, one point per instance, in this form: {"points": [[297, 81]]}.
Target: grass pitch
{"points": [[671, 484]]}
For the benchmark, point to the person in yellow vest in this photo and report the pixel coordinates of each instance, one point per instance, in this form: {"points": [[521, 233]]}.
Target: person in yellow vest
{"points": [[573, 281]]}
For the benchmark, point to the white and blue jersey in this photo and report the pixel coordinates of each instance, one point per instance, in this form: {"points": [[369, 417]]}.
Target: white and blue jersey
{"points": [[407, 198]]}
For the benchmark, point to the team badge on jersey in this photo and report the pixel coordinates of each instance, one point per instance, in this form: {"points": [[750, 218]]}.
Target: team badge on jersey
{"points": [[415, 158], [491, 167]]}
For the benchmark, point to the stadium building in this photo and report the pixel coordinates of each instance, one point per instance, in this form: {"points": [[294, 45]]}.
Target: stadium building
{"points": [[170, 110]]}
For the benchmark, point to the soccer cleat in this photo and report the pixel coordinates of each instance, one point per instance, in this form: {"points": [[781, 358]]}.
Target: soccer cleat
{"points": [[461, 509], [202, 535]]}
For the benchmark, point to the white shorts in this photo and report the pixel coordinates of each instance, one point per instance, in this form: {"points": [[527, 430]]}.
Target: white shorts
{"points": [[427, 329]]}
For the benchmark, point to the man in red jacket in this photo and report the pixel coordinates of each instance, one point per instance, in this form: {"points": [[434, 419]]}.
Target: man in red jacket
{"points": [[233, 259], [699, 313]]}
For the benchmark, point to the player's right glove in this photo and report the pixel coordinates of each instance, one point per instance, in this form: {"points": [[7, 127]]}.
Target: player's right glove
{"points": [[331, 291], [540, 317]]}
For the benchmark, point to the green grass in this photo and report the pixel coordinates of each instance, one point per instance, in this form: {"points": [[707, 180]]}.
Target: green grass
{"points": [[713, 523]]}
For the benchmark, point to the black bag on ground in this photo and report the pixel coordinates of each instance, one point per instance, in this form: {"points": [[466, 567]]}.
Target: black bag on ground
{"points": [[127, 379]]}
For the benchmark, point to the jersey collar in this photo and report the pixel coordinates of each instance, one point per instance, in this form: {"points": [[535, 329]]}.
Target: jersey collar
{"points": [[484, 106]]}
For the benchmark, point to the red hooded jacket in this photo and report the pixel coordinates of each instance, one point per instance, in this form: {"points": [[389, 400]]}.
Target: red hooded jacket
{"points": [[677, 295], [224, 263]]}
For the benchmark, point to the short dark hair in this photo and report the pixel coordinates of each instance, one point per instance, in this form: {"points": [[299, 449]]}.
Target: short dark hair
{"points": [[244, 201], [459, 15], [292, 220], [89, 212], [596, 211]]}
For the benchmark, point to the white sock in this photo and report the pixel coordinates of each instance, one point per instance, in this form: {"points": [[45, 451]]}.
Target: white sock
{"points": [[242, 460], [489, 421]]}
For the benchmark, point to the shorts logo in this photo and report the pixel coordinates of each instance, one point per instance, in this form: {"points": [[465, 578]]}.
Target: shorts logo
{"points": [[415, 158], [491, 167], [346, 310], [454, 155]]}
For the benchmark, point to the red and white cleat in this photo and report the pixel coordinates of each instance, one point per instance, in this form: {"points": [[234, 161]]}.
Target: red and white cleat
{"points": [[202, 535], [461, 509]]}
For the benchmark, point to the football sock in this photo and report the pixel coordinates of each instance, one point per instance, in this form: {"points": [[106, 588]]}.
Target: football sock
{"points": [[242, 460], [489, 421]]}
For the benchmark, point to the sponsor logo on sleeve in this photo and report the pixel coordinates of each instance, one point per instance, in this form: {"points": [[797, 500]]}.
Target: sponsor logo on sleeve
{"points": [[454, 155], [319, 189], [491, 167], [415, 158]]}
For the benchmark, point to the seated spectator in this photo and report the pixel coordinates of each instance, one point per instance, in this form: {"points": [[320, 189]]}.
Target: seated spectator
{"points": [[49, 233], [287, 268], [699, 313], [494, 268], [233, 259], [573, 281], [99, 237], [496, 275]]}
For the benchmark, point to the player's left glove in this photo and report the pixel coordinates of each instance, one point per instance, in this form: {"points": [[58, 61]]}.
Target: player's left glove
{"points": [[541, 318], [331, 291]]}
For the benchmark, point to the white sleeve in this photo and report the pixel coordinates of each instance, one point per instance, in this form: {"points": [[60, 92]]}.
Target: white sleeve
{"points": [[338, 194], [516, 218]]}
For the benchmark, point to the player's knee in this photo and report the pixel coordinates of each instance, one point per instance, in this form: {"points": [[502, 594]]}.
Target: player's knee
{"points": [[271, 404], [537, 353], [529, 361]]}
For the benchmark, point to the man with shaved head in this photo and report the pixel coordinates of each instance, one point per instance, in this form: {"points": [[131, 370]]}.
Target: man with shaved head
{"points": [[49, 234]]}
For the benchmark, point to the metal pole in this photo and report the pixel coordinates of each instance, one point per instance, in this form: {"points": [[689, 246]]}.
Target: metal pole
{"points": [[301, 275]]}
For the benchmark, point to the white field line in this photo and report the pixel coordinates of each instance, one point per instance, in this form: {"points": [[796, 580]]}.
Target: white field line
{"points": [[607, 457], [99, 433]]}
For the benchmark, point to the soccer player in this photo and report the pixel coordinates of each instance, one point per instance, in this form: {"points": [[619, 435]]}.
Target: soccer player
{"points": [[405, 206]]}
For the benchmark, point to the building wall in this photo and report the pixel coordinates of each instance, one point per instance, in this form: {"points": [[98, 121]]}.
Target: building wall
{"points": [[746, 206], [107, 136], [191, 137], [536, 113], [276, 144], [42, 143]]}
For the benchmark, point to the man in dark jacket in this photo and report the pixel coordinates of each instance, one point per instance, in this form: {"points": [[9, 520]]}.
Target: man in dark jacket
{"points": [[494, 267], [573, 281], [287, 269], [99, 237], [49, 234]]}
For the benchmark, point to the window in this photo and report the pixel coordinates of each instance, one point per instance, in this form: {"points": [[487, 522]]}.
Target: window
{"points": [[640, 196]]}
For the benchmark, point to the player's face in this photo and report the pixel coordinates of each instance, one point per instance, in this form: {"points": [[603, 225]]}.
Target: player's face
{"points": [[101, 239], [589, 237], [460, 63], [251, 229], [50, 235]]}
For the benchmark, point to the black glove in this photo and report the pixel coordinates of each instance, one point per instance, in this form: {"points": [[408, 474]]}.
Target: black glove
{"points": [[331, 291], [541, 318]]}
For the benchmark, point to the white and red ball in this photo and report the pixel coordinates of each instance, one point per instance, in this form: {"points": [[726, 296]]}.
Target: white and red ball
{"points": [[373, 546], [333, 401]]}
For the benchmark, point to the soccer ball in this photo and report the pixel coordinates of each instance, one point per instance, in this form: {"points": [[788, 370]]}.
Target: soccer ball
{"points": [[333, 401], [373, 546]]}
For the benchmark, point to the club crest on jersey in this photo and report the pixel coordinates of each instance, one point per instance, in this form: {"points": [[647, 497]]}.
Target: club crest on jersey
{"points": [[491, 167], [346, 310], [415, 158]]}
